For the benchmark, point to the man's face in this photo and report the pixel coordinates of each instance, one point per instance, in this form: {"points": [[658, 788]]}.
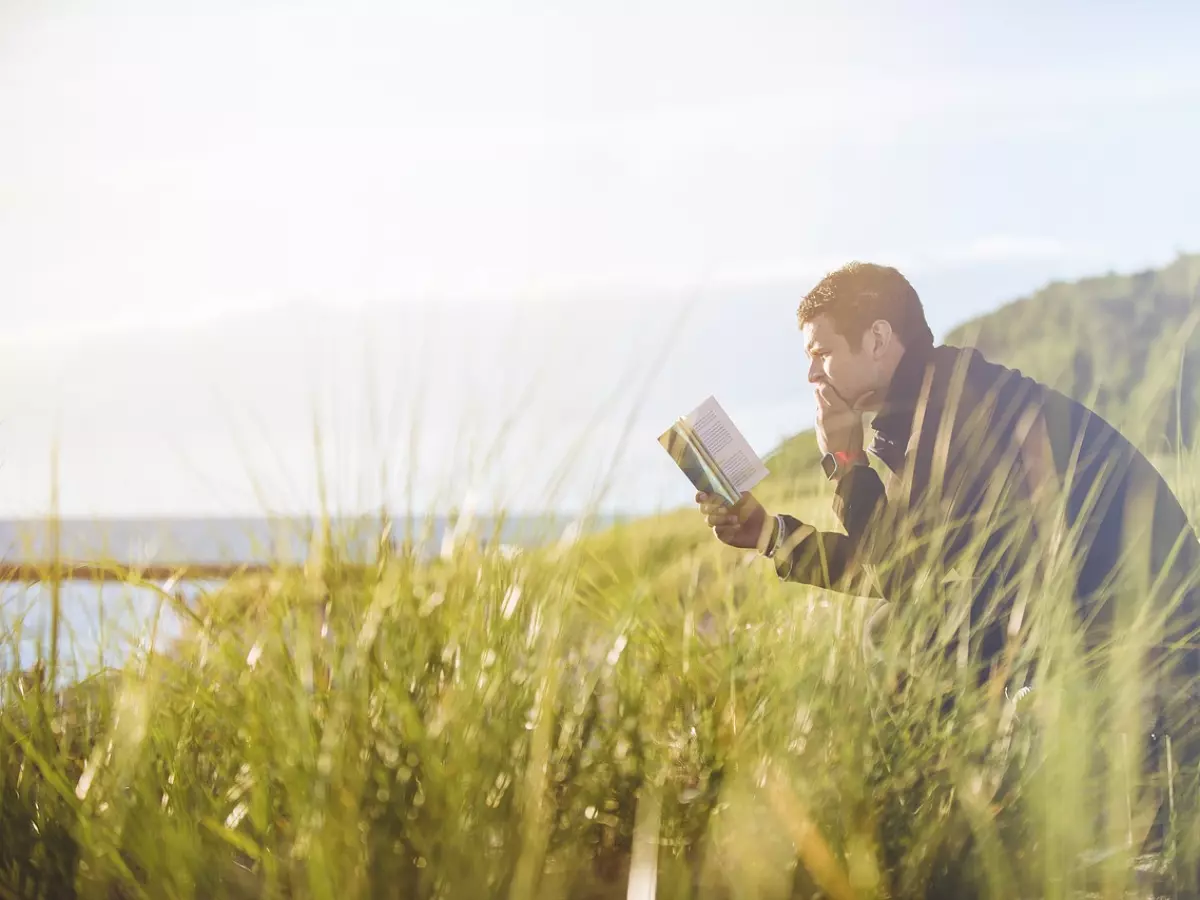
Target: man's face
{"points": [[849, 369]]}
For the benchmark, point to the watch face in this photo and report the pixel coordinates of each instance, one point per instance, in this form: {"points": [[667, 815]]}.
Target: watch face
{"points": [[829, 464]]}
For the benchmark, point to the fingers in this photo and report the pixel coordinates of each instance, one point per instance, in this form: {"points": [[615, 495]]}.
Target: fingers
{"points": [[717, 520], [827, 397], [717, 514], [726, 534]]}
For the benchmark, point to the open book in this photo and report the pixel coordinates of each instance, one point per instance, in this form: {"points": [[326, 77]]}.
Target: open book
{"points": [[712, 453]]}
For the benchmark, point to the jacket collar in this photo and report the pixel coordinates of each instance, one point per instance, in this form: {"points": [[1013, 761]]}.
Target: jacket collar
{"points": [[894, 421]]}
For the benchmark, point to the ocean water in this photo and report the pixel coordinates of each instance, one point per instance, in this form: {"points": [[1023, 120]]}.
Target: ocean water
{"points": [[102, 623]]}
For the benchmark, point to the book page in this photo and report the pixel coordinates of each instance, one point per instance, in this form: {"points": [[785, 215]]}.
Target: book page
{"points": [[728, 448]]}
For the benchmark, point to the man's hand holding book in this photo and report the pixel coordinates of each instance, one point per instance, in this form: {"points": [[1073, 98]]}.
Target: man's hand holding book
{"points": [[746, 525]]}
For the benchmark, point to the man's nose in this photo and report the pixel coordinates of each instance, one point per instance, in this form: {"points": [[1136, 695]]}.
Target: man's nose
{"points": [[814, 373]]}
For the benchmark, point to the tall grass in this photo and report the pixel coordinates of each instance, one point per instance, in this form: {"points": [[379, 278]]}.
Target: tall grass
{"points": [[483, 724]]}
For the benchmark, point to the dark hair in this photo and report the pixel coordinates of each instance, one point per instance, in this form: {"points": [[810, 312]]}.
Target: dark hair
{"points": [[858, 294]]}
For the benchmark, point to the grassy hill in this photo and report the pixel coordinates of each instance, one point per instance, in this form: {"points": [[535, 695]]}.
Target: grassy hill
{"points": [[1125, 344]]}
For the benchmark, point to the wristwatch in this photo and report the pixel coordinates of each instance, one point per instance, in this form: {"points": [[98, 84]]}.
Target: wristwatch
{"points": [[837, 464]]}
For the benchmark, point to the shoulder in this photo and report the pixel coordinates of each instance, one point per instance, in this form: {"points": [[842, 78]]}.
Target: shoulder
{"points": [[980, 376], [985, 377], [948, 359], [1007, 394], [982, 394]]}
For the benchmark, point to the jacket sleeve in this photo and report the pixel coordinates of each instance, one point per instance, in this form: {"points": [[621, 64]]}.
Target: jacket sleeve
{"points": [[830, 559]]}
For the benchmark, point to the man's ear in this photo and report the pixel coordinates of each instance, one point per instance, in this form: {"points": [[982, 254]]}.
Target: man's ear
{"points": [[879, 337]]}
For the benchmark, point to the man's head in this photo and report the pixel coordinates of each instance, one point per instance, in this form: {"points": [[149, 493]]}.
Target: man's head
{"points": [[857, 323]]}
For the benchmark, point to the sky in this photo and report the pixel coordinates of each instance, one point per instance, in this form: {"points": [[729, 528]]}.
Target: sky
{"points": [[177, 180]]}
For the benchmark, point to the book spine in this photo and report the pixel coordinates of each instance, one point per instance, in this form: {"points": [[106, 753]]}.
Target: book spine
{"points": [[730, 493]]}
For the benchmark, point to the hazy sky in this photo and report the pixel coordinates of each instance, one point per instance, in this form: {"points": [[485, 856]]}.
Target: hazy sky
{"points": [[165, 166]]}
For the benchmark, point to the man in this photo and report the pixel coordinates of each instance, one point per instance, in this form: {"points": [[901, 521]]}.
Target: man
{"points": [[989, 474]]}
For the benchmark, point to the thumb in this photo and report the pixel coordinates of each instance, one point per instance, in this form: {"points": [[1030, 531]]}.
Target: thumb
{"points": [[746, 504], [863, 398]]}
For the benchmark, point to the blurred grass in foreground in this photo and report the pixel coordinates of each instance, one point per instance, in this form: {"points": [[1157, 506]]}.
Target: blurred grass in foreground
{"points": [[641, 713], [488, 724]]}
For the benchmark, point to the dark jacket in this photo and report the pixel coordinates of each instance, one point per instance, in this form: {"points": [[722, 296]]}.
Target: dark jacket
{"points": [[993, 475]]}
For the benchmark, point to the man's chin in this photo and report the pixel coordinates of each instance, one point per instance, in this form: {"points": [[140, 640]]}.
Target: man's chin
{"points": [[866, 402]]}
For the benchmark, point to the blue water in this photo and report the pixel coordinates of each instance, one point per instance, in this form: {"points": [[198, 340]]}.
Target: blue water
{"points": [[102, 623]]}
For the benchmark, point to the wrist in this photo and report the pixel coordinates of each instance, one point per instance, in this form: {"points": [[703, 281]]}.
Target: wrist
{"points": [[775, 538], [768, 535]]}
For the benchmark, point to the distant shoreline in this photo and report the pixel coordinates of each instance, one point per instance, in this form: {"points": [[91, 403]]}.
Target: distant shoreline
{"points": [[200, 540]]}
